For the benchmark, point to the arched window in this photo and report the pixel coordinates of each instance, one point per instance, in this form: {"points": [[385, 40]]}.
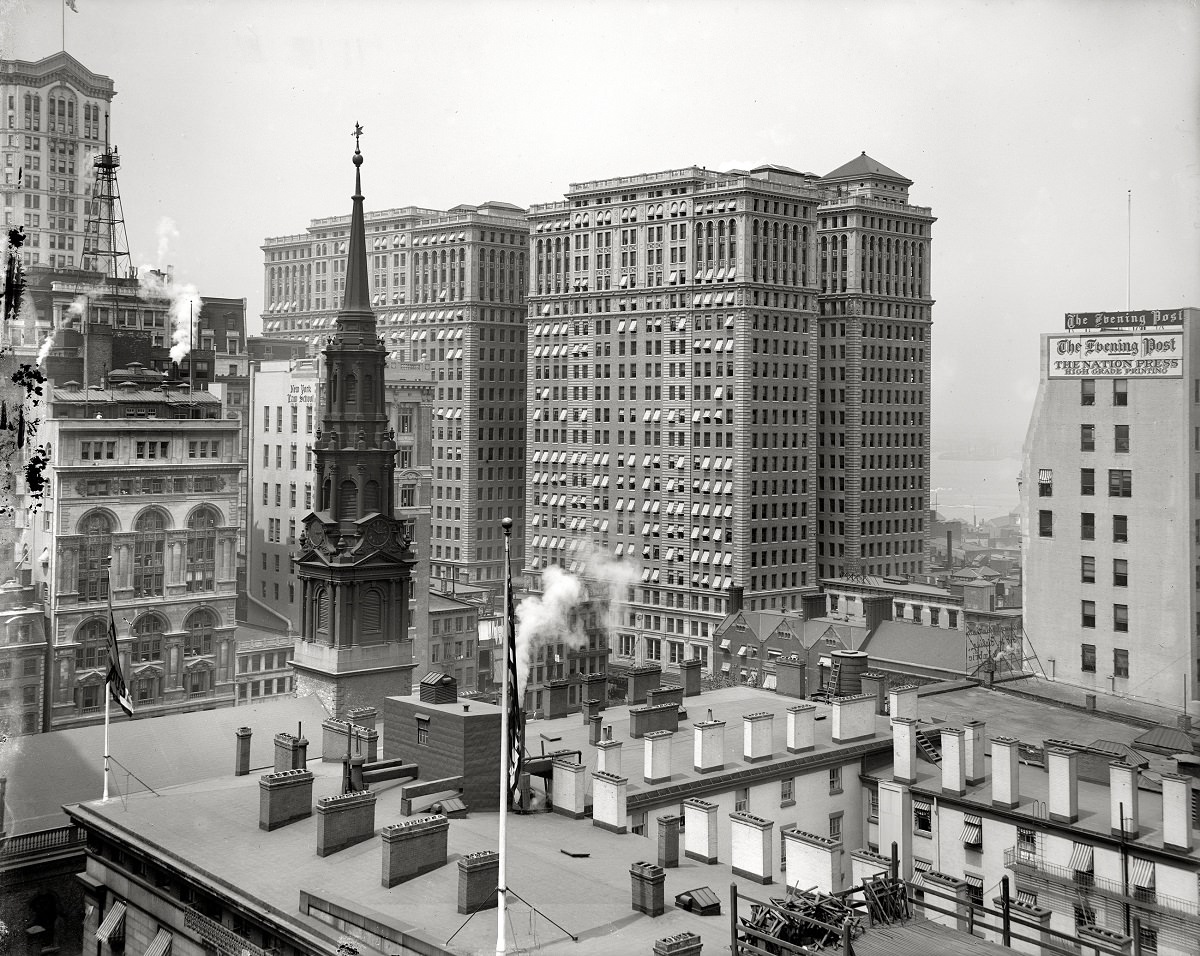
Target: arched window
{"points": [[199, 637], [371, 497], [323, 611], [202, 549], [351, 392], [148, 632], [94, 555], [92, 649], [347, 498], [149, 547]]}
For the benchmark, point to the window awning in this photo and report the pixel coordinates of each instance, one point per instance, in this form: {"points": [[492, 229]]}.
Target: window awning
{"points": [[920, 868], [113, 927], [972, 834], [725, 644], [725, 668], [1141, 874], [1081, 858], [160, 945], [742, 651], [769, 682]]}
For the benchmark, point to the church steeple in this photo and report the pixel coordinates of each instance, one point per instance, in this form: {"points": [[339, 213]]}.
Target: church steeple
{"points": [[355, 565]]}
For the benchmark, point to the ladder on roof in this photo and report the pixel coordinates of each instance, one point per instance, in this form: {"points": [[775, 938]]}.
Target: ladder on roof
{"points": [[835, 672], [932, 753]]}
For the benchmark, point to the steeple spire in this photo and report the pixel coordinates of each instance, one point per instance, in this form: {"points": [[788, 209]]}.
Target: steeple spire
{"points": [[357, 301]]}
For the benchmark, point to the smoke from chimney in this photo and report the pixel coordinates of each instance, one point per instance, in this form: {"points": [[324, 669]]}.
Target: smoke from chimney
{"points": [[552, 616]]}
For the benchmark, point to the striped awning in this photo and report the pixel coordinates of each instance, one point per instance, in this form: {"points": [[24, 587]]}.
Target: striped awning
{"points": [[113, 926], [1026, 898], [1141, 874], [1081, 858], [160, 945], [920, 868], [972, 834]]}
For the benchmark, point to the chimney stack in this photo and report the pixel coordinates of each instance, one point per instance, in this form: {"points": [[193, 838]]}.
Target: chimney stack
{"points": [[757, 730], [1177, 812], [708, 753], [1062, 772], [801, 729], [974, 742], [904, 750], [1123, 798], [954, 761], [1006, 784], [241, 762]]}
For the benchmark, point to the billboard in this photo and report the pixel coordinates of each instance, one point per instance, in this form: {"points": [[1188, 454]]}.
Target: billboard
{"points": [[1147, 318], [1132, 355]]}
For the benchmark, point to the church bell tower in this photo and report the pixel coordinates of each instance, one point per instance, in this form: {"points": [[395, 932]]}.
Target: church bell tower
{"points": [[355, 563]]}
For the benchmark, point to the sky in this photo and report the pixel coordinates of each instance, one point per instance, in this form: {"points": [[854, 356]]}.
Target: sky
{"points": [[1024, 125]]}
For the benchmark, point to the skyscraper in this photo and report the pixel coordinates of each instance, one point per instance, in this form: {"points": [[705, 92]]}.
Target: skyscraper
{"points": [[1111, 506], [56, 121], [873, 362], [355, 564], [449, 291], [728, 382]]}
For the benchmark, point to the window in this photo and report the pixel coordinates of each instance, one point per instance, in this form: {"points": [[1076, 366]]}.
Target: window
{"points": [[202, 549], [92, 579], [1087, 437], [1121, 617], [741, 800], [1084, 916], [835, 779], [1087, 481], [873, 803], [1087, 614], [1121, 438], [1087, 569], [1120, 483], [1120, 573], [1087, 391], [1147, 938], [1046, 524], [148, 553], [1045, 483], [148, 633], [1087, 526], [1026, 842], [787, 791], [1120, 528], [835, 827], [198, 640], [1120, 662], [92, 649], [974, 889], [972, 834], [1120, 391], [922, 816]]}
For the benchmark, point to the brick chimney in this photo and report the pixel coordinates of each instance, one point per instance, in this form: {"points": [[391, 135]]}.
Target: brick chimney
{"points": [[801, 728], [1177, 812], [757, 730], [241, 760], [954, 761], [1062, 773], [1123, 798], [1006, 782], [709, 746]]}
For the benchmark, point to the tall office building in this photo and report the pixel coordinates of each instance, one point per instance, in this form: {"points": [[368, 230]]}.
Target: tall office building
{"points": [[56, 116], [355, 558], [448, 290], [672, 411], [711, 353], [1111, 504], [873, 362]]}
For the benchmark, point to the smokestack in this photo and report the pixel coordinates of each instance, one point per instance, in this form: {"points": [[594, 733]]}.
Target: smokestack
{"points": [[949, 548]]}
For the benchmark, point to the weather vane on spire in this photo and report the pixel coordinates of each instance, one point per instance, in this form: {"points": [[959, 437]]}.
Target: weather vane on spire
{"points": [[358, 131]]}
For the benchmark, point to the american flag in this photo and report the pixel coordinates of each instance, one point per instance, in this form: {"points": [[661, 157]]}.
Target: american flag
{"points": [[516, 729], [116, 680]]}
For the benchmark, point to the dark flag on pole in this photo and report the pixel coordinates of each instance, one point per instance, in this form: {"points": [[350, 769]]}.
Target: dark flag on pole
{"points": [[516, 729], [116, 680]]}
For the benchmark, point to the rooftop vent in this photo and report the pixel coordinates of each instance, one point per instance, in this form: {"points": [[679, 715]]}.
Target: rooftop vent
{"points": [[438, 688]]}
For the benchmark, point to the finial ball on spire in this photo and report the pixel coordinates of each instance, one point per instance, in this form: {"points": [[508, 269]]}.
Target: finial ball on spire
{"points": [[358, 131]]}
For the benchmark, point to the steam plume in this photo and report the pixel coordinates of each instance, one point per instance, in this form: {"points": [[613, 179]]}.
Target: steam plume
{"points": [[556, 615], [167, 233], [47, 345], [184, 308]]}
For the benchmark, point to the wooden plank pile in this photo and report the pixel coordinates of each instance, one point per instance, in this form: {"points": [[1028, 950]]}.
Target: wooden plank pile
{"points": [[810, 919], [887, 899]]}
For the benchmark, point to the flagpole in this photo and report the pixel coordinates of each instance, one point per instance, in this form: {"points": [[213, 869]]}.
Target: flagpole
{"points": [[107, 674], [501, 886]]}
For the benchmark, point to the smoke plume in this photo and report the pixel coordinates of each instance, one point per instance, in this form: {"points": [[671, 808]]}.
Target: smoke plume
{"points": [[184, 309], [557, 614], [47, 345], [167, 233]]}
